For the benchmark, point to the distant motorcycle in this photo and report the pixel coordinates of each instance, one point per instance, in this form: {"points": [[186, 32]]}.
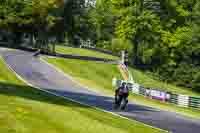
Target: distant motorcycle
{"points": [[37, 53]]}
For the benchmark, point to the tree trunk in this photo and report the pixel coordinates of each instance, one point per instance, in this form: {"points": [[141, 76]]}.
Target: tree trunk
{"points": [[135, 52], [31, 39], [54, 48]]}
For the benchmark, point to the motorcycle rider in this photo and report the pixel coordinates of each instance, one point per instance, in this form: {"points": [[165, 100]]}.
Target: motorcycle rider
{"points": [[121, 94]]}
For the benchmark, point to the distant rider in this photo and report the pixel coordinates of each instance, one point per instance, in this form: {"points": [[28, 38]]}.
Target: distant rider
{"points": [[37, 53], [121, 94]]}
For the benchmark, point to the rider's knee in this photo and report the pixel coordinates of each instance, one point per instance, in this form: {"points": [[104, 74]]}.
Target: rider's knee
{"points": [[127, 101]]}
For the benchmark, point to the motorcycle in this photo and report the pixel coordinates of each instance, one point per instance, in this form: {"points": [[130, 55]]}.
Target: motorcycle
{"points": [[121, 102], [37, 53]]}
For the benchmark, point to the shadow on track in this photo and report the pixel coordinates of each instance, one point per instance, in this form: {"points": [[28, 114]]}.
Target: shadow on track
{"points": [[31, 93]]}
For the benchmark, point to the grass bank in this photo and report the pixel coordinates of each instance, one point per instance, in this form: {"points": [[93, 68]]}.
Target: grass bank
{"points": [[26, 110], [98, 76], [83, 52], [147, 80]]}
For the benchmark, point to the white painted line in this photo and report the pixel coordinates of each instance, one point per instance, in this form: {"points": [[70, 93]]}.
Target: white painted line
{"points": [[68, 76], [19, 77], [71, 78], [72, 99]]}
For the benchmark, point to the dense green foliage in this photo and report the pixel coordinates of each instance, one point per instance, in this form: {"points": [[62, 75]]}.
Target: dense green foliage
{"points": [[163, 34], [37, 18]]}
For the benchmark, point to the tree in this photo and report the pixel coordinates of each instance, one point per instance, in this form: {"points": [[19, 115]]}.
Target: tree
{"points": [[15, 16], [44, 20], [34, 17], [102, 19], [137, 24], [73, 15]]}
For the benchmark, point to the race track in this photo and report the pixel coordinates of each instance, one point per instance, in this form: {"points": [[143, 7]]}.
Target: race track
{"points": [[42, 75]]}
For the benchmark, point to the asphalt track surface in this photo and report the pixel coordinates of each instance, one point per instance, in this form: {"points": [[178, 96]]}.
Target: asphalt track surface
{"points": [[46, 77]]}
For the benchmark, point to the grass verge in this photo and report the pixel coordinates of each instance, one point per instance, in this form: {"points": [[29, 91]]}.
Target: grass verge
{"points": [[147, 80], [83, 52], [26, 110], [98, 76]]}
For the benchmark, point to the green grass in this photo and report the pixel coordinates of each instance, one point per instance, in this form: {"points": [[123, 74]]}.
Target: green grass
{"points": [[83, 52], [147, 80], [26, 110], [91, 73], [98, 76]]}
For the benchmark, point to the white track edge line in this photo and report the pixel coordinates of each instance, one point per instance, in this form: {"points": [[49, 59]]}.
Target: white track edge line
{"points": [[66, 75], [71, 78], [17, 75], [31, 85]]}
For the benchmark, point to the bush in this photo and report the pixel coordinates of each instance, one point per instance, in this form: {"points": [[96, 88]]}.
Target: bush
{"points": [[196, 82], [121, 44], [103, 44], [186, 75]]}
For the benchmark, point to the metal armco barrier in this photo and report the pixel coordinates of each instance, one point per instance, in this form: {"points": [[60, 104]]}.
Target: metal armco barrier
{"points": [[178, 99], [142, 91], [194, 102], [183, 100], [173, 98]]}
